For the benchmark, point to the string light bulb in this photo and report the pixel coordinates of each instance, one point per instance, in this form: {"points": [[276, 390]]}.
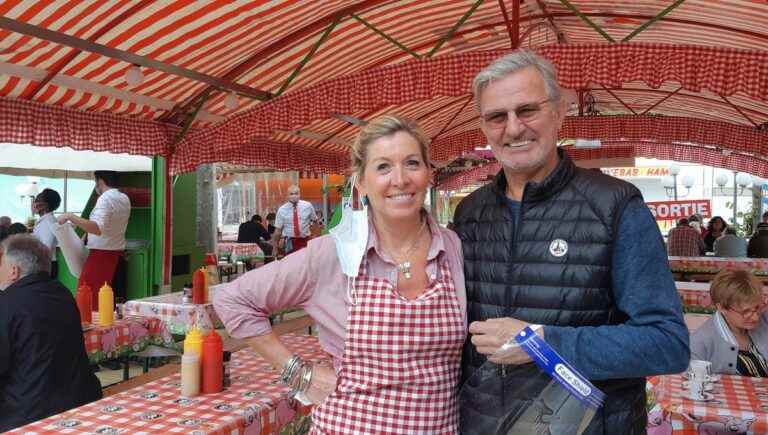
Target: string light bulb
{"points": [[134, 76], [231, 102]]}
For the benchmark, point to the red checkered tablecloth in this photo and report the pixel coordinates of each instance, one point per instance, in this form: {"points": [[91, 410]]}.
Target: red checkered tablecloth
{"points": [[177, 316], [715, 264], [240, 250], [738, 404], [694, 293], [131, 334], [255, 403]]}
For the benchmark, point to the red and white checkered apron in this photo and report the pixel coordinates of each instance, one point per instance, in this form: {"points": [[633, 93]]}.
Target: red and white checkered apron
{"points": [[400, 368]]}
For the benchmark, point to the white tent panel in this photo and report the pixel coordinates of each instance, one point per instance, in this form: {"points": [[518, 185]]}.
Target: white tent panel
{"points": [[15, 157]]}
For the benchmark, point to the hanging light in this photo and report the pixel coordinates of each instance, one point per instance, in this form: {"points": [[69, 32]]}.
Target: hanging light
{"points": [[743, 179], [688, 181], [134, 76], [721, 180], [231, 102]]}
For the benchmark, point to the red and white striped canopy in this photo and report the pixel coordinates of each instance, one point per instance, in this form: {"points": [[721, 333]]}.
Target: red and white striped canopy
{"points": [[656, 75]]}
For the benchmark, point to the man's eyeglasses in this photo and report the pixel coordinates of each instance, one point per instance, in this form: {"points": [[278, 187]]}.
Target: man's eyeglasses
{"points": [[525, 113]]}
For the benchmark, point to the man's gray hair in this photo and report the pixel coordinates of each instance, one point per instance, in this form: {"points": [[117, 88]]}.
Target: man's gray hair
{"points": [[513, 62], [27, 252]]}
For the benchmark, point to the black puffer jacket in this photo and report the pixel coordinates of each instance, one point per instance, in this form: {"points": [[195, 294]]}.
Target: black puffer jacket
{"points": [[518, 275]]}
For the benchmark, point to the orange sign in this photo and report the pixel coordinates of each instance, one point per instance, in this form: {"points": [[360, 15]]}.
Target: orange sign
{"points": [[673, 210]]}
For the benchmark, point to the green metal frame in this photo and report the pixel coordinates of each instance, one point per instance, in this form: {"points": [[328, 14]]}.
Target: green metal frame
{"points": [[586, 19], [387, 37], [309, 56], [645, 25], [455, 27]]}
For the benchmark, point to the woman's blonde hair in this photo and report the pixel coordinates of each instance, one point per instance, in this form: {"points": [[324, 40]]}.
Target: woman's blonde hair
{"points": [[731, 287], [385, 126]]}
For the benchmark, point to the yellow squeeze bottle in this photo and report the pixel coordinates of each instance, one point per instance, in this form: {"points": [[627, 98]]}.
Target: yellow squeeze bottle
{"points": [[106, 305], [193, 344]]}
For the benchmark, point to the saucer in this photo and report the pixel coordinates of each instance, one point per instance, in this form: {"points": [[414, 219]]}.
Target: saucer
{"points": [[712, 378], [707, 386], [708, 397]]}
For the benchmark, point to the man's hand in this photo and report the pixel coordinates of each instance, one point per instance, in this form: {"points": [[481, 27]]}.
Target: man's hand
{"points": [[488, 336], [64, 218]]}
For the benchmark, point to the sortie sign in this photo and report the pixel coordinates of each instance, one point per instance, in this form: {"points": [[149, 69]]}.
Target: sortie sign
{"points": [[673, 210]]}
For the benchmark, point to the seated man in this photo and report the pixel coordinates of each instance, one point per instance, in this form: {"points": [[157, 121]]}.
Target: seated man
{"points": [[684, 241], [43, 365]]}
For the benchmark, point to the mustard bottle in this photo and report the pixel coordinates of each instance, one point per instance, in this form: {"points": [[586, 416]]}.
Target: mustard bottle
{"points": [[106, 305], [193, 343]]}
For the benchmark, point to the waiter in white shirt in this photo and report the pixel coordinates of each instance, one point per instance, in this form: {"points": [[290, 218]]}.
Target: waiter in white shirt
{"points": [[293, 222], [106, 227], [45, 203]]}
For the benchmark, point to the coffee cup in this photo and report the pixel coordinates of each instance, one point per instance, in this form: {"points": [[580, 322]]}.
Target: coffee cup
{"points": [[700, 371], [695, 389]]}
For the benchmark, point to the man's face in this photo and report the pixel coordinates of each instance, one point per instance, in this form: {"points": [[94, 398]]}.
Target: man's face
{"points": [[521, 123], [9, 273], [293, 195], [39, 206]]}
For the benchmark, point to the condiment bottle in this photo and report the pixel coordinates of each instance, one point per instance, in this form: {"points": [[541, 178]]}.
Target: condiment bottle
{"points": [[198, 287], [83, 298], [212, 364], [106, 305], [190, 374], [212, 266], [193, 343]]}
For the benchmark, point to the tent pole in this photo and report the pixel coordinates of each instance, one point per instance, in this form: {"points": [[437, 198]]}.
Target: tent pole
{"points": [[66, 180]]}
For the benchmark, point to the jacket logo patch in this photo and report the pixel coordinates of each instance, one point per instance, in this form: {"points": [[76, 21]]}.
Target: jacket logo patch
{"points": [[558, 247]]}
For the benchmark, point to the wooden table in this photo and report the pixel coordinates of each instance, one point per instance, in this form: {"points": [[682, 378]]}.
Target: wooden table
{"points": [[256, 403]]}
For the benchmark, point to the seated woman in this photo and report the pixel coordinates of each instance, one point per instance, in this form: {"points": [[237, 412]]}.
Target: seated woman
{"points": [[390, 311], [735, 339]]}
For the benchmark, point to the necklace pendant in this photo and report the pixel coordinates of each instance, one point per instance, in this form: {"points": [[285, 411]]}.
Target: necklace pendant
{"points": [[405, 269]]}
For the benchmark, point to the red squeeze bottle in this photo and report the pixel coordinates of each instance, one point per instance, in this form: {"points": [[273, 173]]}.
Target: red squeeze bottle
{"points": [[83, 299], [198, 287], [212, 364]]}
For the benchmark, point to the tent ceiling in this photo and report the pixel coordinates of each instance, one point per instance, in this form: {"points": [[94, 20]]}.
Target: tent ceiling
{"points": [[265, 49]]}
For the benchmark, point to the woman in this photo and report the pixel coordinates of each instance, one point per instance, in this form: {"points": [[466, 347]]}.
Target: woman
{"points": [[735, 339], [715, 228], [395, 329]]}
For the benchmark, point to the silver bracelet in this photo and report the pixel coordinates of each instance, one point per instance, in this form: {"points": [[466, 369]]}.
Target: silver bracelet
{"points": [[289, 369]]}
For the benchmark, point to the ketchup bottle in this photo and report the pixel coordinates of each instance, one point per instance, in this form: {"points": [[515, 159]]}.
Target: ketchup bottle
{"points": [[212, 364], [198, 287], [83, 298]]}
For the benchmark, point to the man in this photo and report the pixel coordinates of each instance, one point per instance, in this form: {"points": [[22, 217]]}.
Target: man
{"points": [[45, 203], [574, 250], [758, 244], [730, 244], [293, 222], [684, 240], [764, 224], [253, 231], [106, 227], [43, 365]]}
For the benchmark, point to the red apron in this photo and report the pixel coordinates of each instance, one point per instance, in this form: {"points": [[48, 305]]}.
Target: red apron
{"points": [[99, 268], [400, 369]]}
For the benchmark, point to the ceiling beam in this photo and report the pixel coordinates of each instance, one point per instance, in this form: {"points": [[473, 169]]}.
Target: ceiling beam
{"points": [[70, 82], [514, 33], [619, 99], [126, 56], [394, 41], [739, 110], [662, 100], [69, 57], [455, 27], [559, 34]]}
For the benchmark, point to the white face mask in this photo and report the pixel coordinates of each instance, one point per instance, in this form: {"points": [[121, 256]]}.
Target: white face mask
{"points": [[351, 235]]}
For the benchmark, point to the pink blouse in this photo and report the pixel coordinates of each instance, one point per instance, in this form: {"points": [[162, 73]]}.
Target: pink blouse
{"points": [[312, 279]]}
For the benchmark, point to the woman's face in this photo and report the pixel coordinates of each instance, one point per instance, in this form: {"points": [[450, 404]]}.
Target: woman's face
{"points": [[743, 315], [717, 225], [395, 177]]}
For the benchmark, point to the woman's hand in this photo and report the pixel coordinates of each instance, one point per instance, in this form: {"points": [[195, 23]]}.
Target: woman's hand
{"points": [[323, 383]]}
